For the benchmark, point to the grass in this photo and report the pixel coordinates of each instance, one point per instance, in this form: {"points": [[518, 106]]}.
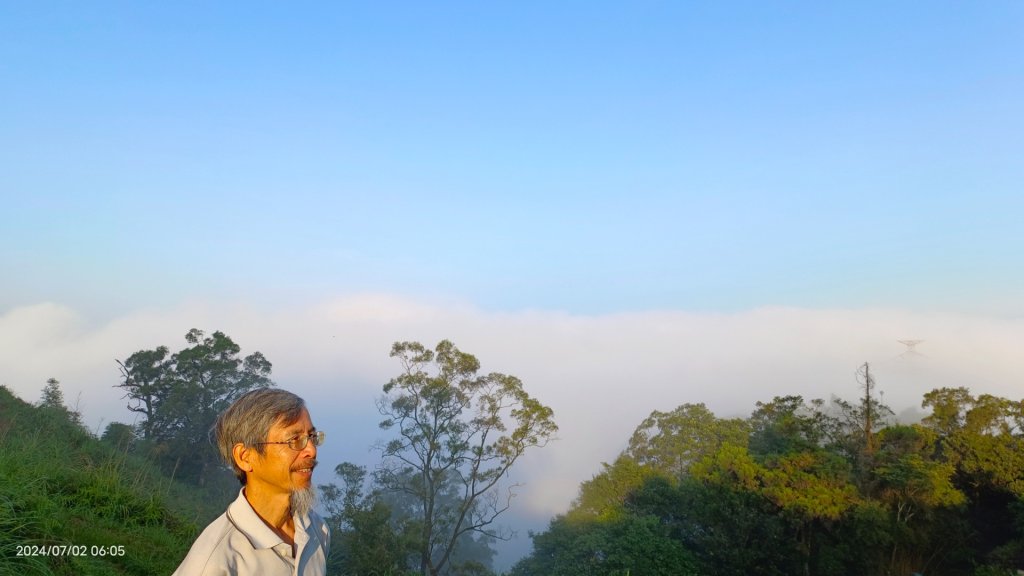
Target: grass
{"points": [[59, 485]]}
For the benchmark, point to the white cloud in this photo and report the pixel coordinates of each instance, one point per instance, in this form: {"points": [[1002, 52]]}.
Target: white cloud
{"points": [[601, 374]]}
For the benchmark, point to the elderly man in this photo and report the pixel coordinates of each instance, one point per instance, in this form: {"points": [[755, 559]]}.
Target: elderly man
{"points": [[271, 528]]}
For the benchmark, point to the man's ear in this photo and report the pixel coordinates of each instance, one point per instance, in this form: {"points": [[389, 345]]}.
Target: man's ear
{"points": [[243, 456]]}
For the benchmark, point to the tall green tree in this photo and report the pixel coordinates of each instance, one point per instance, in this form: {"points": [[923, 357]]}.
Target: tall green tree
{"points": [[147, 377], [457, 432], [179, 397]]}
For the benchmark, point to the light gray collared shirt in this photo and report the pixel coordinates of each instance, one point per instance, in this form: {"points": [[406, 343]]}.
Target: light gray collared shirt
{"points": [[239, 543]]}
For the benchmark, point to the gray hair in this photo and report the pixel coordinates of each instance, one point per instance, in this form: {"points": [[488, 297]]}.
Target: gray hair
{"points": [[249, 419]]}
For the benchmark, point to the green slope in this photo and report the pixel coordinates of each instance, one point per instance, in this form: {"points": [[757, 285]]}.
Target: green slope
{"points": [[73, 505]]}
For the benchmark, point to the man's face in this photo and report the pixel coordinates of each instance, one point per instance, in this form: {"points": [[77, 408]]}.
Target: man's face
{"points": [[282, 469]]}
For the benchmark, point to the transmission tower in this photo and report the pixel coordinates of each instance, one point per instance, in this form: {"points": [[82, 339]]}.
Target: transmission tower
{"points": [[910, 352]]}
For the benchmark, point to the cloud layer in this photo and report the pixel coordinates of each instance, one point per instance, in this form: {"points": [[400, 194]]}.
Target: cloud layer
{"points": [[601, 374]]}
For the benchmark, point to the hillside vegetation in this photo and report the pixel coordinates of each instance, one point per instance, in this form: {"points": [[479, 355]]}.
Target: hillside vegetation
{"points": [[803, 488], [71, 504], [799, 487]]}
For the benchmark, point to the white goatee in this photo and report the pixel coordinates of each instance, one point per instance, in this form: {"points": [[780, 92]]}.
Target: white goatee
{"points": [[302, 501]]}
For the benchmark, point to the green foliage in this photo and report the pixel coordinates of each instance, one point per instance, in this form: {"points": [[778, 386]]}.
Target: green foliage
{"points": [[119, 435], [727, 531], [604, 496], [907, 478], [801, 489], [981, 439], [53, 396], [365, 537], [671, 442], [52, 399], [787, 424], [60, 486], [917, 493], [458, 433], [809, 486], [378, 532], [180, 395], [948, 407], [627, 545], [370, 543]]}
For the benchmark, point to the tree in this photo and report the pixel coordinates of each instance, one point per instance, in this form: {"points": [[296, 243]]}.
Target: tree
{"points": [[671, 442], [810, 490], [729, 531], [949, 407], [858, 425], [458, 433], [180, 397], [52, 399], [787, 424], [981, 437], [913, 486], [365, 538], [119, 435], [622, 546], [52, 396], [146, 378], [603, 497]]}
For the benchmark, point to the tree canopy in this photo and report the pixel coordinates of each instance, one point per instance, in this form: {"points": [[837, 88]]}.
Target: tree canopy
{"points": [[457, 432], [812, 488], [179, 396]]}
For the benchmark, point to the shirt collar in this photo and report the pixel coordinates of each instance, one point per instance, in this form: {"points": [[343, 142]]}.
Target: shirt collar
{"points": [[250, 524]]}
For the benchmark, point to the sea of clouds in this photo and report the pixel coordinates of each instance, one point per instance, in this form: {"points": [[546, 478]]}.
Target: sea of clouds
{"points": [[602, 374]]}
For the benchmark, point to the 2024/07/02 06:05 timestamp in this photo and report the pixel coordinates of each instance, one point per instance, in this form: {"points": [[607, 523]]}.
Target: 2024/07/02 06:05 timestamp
{"points": [[68, 550]]}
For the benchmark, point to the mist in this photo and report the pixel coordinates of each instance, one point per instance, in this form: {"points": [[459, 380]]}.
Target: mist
{"points": [[601, 374]]}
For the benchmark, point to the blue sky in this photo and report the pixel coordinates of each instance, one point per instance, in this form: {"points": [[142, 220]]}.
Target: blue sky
{"points": [[584, 157]]}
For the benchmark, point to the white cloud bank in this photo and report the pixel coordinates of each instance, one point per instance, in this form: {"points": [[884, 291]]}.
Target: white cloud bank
{"points": [[601, 374]]}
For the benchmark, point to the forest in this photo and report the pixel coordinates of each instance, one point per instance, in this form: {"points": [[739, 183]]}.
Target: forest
{"points": [[803, 487], [800, 487]]}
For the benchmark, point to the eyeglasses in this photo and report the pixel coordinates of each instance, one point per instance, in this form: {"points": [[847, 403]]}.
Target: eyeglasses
{"points": [[300, 441]]}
